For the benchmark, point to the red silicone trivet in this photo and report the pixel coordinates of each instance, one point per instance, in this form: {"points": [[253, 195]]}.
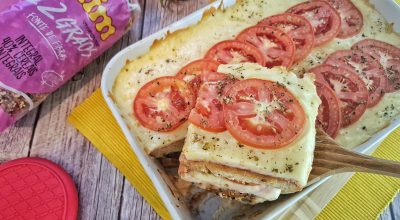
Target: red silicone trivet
{"points": [[34, 188]]}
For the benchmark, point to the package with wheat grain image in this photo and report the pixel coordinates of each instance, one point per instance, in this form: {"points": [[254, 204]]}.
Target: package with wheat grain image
{"points": [[43, 43]]}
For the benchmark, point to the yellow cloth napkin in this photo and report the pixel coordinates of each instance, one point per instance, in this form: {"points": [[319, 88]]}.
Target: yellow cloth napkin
{"points": [[95, 121], [364, 196]]}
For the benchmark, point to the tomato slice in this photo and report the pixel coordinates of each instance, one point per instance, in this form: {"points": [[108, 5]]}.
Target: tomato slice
{"points": [[234, 51], [278, 48], [163, 103], [323, 17], [298, 28], [329, 116], [366, 67], [351, 18], [262, 114], [191, 72], [388, 56], [348, 87], [208, 113]]}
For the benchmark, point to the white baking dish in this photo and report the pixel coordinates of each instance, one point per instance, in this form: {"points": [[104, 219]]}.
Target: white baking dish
{"points": [[177, 210]]}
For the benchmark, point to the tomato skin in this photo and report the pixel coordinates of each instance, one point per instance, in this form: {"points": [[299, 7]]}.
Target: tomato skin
{"points": [[222, 52], [383, 51], [163, 104], [326, 30], [352, 20], [329, 116], [197, 68], [207, 113], [366, 67], [192, 72], [298, 28], [348, 87], [281, 50], [262, 114]]}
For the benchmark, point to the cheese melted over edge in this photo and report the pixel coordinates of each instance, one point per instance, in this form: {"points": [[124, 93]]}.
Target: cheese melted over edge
{"points": [[262, 191]]}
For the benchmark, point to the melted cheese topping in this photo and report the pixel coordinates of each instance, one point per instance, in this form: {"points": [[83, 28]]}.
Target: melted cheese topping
{"points": [[373, 120], [290, 162], [379, 116], [166, 57]]}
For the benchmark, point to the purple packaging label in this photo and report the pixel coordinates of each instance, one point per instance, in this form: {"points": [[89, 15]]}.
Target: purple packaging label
{"points": [[6, 120], [45, 42]]}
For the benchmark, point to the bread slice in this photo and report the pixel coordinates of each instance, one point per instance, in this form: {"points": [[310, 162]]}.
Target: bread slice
{"points": [[219, 162]]}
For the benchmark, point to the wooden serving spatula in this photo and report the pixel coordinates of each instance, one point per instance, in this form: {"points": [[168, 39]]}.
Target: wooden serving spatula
{"points": [[330, 158]]}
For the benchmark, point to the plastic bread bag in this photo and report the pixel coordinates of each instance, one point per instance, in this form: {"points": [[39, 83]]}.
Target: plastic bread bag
{"points": [[43, 43]]}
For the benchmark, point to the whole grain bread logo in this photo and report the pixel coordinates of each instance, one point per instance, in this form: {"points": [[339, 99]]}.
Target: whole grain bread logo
{"points": [[98, 15]]}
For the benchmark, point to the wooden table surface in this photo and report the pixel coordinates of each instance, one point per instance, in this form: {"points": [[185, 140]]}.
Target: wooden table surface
{"points": [[103, 192]]}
